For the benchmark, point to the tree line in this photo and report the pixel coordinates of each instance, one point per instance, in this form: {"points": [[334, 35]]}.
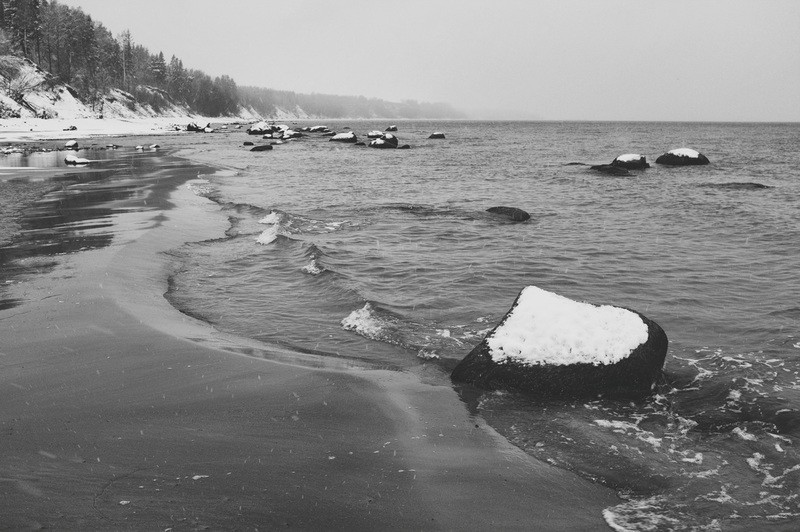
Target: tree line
{"points": [[84, 55]]}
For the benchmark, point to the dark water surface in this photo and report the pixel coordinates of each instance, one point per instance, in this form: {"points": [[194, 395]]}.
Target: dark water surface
{"points": [[389, 258]]}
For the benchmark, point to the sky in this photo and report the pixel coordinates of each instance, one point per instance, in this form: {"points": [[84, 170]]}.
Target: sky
{"points": [[679, 60]]}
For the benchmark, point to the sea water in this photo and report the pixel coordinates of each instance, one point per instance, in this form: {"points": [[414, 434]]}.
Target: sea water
{"points": [[388, 258]]}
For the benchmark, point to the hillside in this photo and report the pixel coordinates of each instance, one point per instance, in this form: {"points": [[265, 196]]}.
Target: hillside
{"points": [[26, 91]]}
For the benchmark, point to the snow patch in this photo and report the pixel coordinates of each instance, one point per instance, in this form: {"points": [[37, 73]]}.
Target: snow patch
{"points": [[546, 328], [686, 152]]}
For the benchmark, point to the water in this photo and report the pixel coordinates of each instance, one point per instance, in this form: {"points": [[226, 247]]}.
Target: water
{"points": [[388, 258]]}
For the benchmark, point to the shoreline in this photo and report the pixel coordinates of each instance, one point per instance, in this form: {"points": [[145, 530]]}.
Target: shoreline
{"points": [[121, 412]]}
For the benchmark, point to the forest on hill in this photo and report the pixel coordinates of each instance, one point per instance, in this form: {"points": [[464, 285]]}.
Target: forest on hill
{"points": [[82, 54]]}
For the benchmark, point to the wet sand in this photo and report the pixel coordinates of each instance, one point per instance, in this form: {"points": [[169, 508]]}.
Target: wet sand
{"points": [[117, 411]]}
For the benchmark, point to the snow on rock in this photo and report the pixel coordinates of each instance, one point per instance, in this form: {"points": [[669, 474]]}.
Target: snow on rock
{"points": [[386, 140], [631, 161], [549, 344], [683, 157], [546, 328], [75, 161]]}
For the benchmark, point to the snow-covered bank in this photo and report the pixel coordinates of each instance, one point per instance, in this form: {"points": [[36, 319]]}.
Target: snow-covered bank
{"points": [[37, 129]]}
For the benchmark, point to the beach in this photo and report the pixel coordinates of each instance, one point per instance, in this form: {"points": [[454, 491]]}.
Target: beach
{"points": [[120, 412]]}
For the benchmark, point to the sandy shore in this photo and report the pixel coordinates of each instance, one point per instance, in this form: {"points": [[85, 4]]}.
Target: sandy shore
{"points": [[117, 411]]}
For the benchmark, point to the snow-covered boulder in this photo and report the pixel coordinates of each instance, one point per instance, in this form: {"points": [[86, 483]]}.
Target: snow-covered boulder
{"points": [[374, 134], [631, 161], [198, 127], [512, 213], [75, 161], [291, 134], [550, 345], [392, 128], [344, 137], [260, 128], [386, 140], [436, 135], [71, 145], [683, 157]]}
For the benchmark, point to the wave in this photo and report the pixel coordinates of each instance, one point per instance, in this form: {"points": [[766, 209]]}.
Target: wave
{"points": [[269, 235]]}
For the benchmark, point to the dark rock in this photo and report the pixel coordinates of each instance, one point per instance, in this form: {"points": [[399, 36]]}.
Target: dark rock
{"points": [[683, 157], [631, 161], [329, 134], [436, 135], [263, 147], [548, 345], [71, 128], [610, 169], [247, 143], [515, 214], [359, 144], [404, 147]]}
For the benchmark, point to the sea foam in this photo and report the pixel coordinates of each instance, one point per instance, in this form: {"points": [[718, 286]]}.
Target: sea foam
{"points": [[364, 322]]}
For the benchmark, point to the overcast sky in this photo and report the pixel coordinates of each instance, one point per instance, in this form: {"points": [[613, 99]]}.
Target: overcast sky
{"points": [[727, 60]]}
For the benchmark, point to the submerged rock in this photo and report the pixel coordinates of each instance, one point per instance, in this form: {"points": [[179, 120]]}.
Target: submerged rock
{"points": [[515, 214], [550, 345], [683, 157], [631, 161], [610, 169]]}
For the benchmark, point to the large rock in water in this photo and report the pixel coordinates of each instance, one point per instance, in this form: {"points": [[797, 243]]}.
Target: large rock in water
{"points": [[344, 137], [683, 157], [549, 345], [387, 140]]}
